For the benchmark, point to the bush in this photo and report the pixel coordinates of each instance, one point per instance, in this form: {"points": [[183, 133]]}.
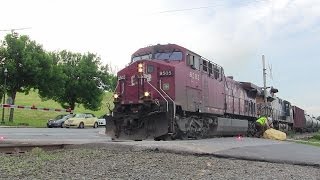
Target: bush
{"points": [[317, 137]]}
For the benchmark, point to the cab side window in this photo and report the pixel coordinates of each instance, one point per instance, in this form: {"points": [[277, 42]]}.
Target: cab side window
{"points": [[216, 72], [194, 61], [205, 65], [197, 62], [210, 68]]}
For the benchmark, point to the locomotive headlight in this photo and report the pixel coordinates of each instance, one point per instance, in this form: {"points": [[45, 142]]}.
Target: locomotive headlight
{"points": [[115, 96], [146, 94]]}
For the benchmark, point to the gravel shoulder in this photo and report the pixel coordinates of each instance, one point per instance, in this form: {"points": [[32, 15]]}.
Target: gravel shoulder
{"points": [[114, 162]]}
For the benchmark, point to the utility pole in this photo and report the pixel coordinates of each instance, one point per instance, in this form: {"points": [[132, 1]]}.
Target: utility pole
{"points": [[5, 72], [265, 107], [264, 80]]}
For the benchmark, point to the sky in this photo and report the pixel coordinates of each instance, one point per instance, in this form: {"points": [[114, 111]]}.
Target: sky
{"points": [[232, 33]]}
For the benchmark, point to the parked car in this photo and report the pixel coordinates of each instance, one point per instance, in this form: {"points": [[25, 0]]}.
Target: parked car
{"points": [[102, 120], [58, 121], [82, 120]]}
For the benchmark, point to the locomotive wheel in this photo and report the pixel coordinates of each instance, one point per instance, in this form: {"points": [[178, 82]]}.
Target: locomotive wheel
{"points": [[194, 129], [180, 133]]}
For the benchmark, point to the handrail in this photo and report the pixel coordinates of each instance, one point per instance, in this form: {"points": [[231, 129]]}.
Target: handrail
{"points": [[174, 104], [160, 94]]}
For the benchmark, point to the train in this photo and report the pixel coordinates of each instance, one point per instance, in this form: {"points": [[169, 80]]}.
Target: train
{"points": [[287, 117], [170, 92]]}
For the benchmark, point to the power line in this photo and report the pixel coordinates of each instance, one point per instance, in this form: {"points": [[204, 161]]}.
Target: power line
{"points": [[187, 9], [15, 29], [243, 3]]}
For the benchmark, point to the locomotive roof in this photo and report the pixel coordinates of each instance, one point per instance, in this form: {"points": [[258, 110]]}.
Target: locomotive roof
{"points": [[167, 47], [160, 47]]}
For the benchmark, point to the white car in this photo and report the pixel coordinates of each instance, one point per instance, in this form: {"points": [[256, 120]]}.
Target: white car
{"points": [[102, 120]]}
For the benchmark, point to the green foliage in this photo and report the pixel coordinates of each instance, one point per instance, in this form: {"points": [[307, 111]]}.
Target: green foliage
{"points": [[316, 137], [26, 62], [72, 79], [108, 80], [81, 79]]}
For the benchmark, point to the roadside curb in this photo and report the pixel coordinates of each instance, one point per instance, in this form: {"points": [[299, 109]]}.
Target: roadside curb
{"points": [[19, 127]]}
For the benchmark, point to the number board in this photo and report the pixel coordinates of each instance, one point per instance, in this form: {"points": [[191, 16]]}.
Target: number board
{"points": [[166, 73]]}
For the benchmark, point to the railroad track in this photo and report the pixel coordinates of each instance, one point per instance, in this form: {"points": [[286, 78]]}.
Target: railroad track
{"points": [[23, 148]]}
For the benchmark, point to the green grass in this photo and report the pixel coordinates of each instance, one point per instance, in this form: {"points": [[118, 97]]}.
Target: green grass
{"points": [[36, 118], [316, 137], [315, 140]]}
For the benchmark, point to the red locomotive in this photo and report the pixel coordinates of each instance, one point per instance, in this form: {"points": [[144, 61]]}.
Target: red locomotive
{"points": [[168, 91]]}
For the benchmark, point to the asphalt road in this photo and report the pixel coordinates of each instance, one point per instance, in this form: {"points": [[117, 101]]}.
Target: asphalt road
{"points": [[51, 135]]}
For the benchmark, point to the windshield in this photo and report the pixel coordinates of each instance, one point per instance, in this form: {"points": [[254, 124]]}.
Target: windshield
{"points": [[147, 56], [173, 56], [79, 116], [59, 117]]}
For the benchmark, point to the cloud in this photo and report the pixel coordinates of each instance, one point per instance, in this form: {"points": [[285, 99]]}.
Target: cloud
{"points": [[312, 110], [223, 31], [233, 34]]}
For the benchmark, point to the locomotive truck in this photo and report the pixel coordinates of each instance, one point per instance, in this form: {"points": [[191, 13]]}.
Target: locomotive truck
{"points": [[168, 91]]}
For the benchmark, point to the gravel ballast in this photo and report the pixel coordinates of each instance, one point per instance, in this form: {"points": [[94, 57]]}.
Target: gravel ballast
{"points": [[126, 163]]}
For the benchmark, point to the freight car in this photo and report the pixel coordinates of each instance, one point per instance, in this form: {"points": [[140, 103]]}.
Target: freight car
{"points": [[304, 122], [285, 116], [168, 91]]}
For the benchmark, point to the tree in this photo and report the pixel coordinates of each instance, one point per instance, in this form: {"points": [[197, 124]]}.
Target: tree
{"points": [[27, 63], [318, 118], [108, 80], [81, 80]]}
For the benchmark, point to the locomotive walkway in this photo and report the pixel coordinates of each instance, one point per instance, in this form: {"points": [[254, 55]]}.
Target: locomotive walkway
{"points": [[236, 148]]}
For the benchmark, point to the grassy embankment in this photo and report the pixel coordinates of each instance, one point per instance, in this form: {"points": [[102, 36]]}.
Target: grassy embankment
{"points": [[315, 140], [36, 118]]}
